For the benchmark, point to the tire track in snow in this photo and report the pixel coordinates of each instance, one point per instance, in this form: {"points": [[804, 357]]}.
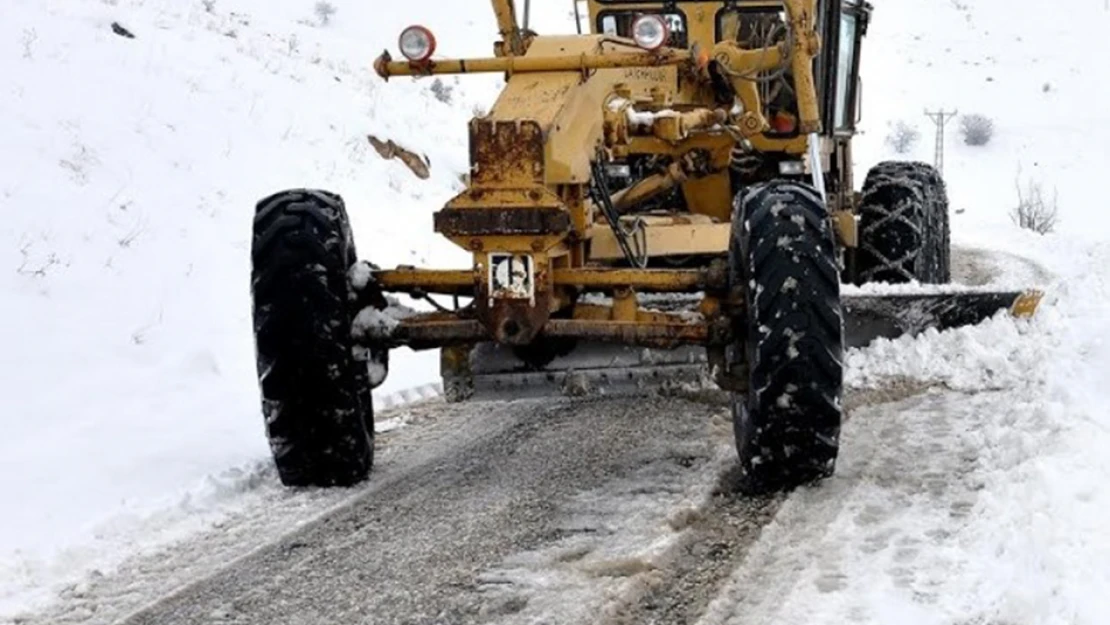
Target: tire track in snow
{"points": [[877, 542], [492, 511], [720, 536]]}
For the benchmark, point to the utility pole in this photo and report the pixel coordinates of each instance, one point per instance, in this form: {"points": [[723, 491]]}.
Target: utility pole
{"points": [[941, 119]]}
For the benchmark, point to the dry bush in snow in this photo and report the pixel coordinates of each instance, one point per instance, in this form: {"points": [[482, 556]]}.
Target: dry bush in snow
{"points": [[324, 11], [442, 91], [976, 129], [1034, 211], [902, 137], [30, 36]]}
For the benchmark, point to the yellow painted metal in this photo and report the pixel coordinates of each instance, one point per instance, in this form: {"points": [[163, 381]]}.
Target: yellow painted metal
{"points": [[596, 312], [648, 188], [625, 305], [1026, 304], [464, 281], [630, 57], [710, 195], [644, 280], [443, 281], [793, 145], [847, 229], [552, 245], [803, 20], [665, 240], [512, 44]]}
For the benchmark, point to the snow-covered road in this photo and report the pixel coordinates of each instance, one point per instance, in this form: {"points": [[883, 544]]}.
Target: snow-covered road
{"points": [[623, 511]]}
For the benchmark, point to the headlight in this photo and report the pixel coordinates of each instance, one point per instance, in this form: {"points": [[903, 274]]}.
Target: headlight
{"points": [[792, 168], [650, 32], [417, 43]]}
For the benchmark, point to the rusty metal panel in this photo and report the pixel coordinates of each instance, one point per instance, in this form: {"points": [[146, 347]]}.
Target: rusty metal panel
{"points": [[506, 153], [492, 221], [426, 332]]}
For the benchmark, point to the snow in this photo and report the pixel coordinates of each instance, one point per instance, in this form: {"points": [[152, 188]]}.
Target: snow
{"points": [[373, 323], [360, 275], [128, 173]]}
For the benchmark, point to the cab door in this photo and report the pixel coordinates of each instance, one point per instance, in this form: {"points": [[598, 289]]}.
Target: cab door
{"points": [[851, 26]]}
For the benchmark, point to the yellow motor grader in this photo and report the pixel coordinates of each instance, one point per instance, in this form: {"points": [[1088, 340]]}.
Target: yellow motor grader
{"points": [[668, 196]]}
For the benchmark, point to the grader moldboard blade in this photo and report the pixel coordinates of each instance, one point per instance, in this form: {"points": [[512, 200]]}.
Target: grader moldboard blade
{"points": [[868, 317], [592, 368], [495, 372]]}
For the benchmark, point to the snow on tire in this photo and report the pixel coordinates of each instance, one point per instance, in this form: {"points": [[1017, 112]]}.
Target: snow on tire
{"points": [[783, 256], [315, 392]]}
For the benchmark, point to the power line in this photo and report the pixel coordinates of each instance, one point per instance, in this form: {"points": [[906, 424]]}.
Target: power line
{"points": [[941, 119]]}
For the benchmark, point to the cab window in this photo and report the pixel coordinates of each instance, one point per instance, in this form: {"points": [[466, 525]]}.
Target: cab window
{"points": [[753, 28], [845, 66]]}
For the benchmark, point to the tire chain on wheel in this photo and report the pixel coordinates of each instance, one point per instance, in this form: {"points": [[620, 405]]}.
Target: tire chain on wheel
{"points": [[910, 197], [783, 256], [315, 393], [936, 198]]}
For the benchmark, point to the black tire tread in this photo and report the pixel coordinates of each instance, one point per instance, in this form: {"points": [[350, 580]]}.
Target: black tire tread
{"points": [[315, 395], [783, 246]]}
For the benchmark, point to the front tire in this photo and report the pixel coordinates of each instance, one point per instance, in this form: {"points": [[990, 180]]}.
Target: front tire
{"points": [[315, 393], [783, 257]]}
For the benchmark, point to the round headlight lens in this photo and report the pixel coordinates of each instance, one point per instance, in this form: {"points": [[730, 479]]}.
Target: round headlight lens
{"points": [[650, 32], [417, 44]]}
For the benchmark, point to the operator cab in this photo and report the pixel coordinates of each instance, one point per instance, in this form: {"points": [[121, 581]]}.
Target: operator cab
{"points": [[756, 24]]}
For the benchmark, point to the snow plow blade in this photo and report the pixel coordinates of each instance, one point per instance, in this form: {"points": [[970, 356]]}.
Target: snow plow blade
{"points": [[494, 372], [868, 317]]}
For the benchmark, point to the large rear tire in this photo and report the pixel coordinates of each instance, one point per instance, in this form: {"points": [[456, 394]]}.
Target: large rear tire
{"points": [[904, 225], [315, 393], [783, 257]]}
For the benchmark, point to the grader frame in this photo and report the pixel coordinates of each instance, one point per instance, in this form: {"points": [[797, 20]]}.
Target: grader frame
{"points": [[572, 105], [569, 99]]}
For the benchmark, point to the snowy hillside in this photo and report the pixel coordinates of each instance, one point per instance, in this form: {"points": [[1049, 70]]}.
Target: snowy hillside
{"points": [[128, 172]]}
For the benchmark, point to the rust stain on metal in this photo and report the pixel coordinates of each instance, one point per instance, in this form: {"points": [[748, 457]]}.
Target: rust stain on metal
{"points": [[659, 335], [711, 278], [431, 331], [506, 153], [501, 221]]}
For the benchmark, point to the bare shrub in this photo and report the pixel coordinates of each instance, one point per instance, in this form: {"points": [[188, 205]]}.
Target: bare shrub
{"points": [[30, 36], [36, 265], [209, 5], [1034, 211], [976, 129], [324, 12], [442, 91], [902, 137]]}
